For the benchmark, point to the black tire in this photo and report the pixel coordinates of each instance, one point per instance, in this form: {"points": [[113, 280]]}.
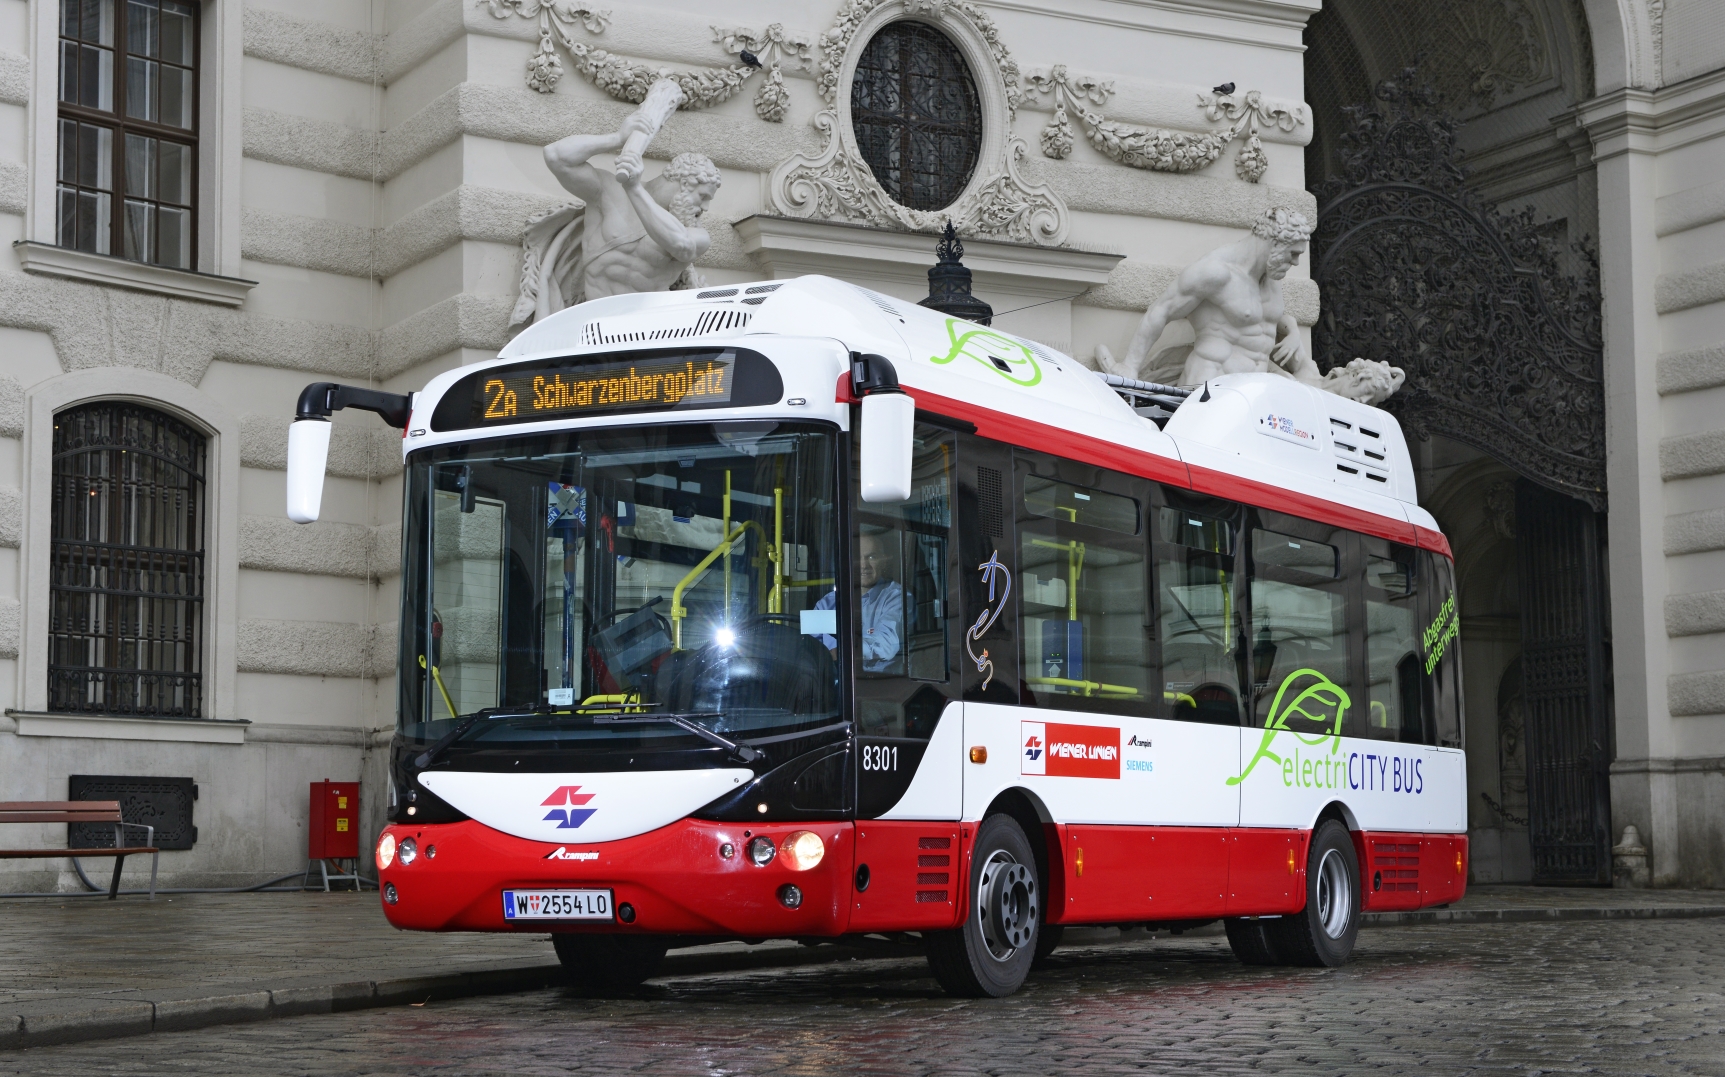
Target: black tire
{"points": [[990, 956], [1322, 934], [1048, 937], [1250, 940], [610, 960]]}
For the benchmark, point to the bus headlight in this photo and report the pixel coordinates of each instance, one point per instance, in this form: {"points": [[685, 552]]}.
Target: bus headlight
{"points": [[386, 851], [409, 851], [802, 850], [761, 851]]}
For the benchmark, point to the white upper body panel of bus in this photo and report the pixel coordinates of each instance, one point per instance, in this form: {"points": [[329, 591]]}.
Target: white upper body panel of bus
{"points": [[1260, 427]]}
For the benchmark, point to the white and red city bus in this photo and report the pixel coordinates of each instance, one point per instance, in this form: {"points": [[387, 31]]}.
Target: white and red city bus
{"points": [[792, 610]]}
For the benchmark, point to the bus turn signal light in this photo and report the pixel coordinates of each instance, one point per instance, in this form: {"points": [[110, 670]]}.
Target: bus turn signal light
{"points": [[1291, 862], [979, 754]]}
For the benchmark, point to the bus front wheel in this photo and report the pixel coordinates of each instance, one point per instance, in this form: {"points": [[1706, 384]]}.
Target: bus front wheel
{"points": [[610, 960], [1323, 933], [990, 955]]}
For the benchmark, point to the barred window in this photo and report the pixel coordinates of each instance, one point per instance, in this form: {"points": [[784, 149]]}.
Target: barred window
{"points": [[916, 114], [128, 129], [126, 583]]}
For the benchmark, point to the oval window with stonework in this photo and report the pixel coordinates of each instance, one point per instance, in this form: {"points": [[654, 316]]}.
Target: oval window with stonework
{"points": [[916, 114]]}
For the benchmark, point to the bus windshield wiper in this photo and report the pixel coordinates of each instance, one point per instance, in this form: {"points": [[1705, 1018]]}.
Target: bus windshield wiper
{"points": [[425, 758], [742, 752]]}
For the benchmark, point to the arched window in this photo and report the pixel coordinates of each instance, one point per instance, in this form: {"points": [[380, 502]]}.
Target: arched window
{"points": [[126, 582], [916, 114]]}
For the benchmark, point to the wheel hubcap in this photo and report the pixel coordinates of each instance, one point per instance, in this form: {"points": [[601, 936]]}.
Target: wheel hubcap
{"points": [[1006, 904], [1335, 894]]}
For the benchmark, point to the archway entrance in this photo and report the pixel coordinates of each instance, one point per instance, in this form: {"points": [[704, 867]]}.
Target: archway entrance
{"points": [[1494, 313]]}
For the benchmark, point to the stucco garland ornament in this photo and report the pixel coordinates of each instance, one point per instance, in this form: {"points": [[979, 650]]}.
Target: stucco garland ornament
{"points": [[623, 79], [1057, 138], [837, 184], [1156, 149], [770, 48]]}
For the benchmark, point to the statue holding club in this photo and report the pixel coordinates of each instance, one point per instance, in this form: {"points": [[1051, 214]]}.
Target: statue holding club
{"points": [[627, 235]]}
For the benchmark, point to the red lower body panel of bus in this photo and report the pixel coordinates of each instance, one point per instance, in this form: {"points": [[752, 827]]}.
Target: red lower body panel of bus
{"points": [[676, 879]]}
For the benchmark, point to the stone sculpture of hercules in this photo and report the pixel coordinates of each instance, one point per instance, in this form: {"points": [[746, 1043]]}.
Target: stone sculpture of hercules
{"points": [[640, 236], [1233, 299]]}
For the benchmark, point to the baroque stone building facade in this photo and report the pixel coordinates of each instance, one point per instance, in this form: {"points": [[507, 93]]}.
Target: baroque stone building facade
{"points": [[329, 190]]}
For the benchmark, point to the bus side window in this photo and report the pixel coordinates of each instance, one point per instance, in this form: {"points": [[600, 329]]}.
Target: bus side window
{"points": [[903, 612], [1440, 646], [1082, 590], [1394, 707], [1302, 672], [1198, 623]]}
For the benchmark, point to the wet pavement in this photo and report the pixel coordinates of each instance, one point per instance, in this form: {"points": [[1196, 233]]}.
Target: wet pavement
{"points": [[1610, 997]]}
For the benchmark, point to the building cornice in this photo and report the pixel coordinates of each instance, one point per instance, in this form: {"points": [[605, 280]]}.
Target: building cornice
{"points": [[48, 260], [792, 245]]}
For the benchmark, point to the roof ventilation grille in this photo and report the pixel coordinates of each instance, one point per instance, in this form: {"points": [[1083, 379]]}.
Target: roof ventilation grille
{"points": [[880, 301], [1361, 454], [639, 329]]}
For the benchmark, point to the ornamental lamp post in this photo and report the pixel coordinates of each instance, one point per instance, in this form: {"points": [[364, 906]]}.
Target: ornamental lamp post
{"points": [[949, 283]]}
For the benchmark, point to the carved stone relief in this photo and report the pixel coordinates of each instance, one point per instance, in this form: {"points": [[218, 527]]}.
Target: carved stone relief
{"points": [[836, 183], [1476, 51]]}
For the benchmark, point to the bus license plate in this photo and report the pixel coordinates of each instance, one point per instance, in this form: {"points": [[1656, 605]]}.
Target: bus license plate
{"points": [[557, 904]]}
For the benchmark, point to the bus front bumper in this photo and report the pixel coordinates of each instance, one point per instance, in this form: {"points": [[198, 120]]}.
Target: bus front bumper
{"points": [[675, 880]]}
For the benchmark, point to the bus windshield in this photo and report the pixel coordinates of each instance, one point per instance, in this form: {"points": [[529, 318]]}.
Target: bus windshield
{"points": [[564, 589]]}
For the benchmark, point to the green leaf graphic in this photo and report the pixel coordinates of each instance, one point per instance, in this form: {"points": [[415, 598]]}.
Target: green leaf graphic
{"points": [[986, 347], [1323, 696]]}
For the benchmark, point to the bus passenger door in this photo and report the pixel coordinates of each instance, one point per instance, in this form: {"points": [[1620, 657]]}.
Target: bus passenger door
{"points": [[908, 723], [906, 728]]}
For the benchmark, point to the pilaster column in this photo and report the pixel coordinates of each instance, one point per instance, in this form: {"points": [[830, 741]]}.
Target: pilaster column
{"points": [[1622, 125]]}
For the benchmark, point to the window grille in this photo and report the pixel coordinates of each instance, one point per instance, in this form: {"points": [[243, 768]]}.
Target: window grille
{"points": [[916, 114], [128, 129], [126, 582]]}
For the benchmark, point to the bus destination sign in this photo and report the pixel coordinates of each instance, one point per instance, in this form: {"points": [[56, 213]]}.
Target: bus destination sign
{"points": [[665, 384], [609, 385]]}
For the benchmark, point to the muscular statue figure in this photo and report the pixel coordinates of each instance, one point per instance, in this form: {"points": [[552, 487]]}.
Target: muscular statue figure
{"points": [[1233, 298], [628, 236]]}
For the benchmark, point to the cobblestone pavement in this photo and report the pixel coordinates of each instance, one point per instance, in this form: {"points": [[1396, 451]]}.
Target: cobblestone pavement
{"points": [[206, 943], [1642, 997]]}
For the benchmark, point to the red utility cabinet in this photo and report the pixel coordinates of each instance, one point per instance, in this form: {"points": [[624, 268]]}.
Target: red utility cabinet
{"points": [[334, 830]]}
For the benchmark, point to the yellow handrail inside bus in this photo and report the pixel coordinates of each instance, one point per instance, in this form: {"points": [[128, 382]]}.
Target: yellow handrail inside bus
{"points": [[1074, 565], [1088, 687], [615, 701], [438, 677], [1179, 697], [677, 610]]}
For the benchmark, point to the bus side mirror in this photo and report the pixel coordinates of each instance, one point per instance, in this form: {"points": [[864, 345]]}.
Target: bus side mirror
{"points": [[888, 423], [307, 454]]}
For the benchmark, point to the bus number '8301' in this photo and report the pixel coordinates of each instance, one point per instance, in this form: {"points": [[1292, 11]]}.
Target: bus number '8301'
{"points": [[879, 757]]}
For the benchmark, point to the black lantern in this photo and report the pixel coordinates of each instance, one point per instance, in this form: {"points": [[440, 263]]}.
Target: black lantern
{"points": [[949, 283]]}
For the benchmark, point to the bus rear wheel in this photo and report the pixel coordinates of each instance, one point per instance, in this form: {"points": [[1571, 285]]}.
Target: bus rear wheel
{"points": [[1323, 934], [990, 955], [610, 960]]}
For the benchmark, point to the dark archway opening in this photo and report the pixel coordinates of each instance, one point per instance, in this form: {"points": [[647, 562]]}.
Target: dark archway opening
{"points": [[1454, 212]]}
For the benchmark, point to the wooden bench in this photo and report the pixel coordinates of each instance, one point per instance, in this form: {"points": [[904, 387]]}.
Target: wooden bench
{"points": [[81, 811]]}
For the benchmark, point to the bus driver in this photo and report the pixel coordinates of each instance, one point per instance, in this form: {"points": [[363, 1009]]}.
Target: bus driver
{"points": [[882, 605]]}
